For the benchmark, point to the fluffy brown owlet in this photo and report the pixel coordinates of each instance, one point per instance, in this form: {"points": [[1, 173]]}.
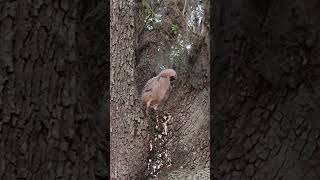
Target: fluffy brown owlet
{"points": [[157, 89]]}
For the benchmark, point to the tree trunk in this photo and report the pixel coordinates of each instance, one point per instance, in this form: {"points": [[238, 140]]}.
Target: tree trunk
{"points": [[172, 143], [179, 131], [129, 138], [51, 125], [266, 90]]}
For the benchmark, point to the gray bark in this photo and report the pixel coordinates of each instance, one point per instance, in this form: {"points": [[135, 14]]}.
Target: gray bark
{"points": [[129, 136]]}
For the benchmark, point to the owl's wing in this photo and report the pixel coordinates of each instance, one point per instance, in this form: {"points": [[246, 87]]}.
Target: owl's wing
{"points": [[151, 84]]}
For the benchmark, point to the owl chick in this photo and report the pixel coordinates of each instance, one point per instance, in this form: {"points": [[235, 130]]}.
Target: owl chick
{"points": [[157, 89]]}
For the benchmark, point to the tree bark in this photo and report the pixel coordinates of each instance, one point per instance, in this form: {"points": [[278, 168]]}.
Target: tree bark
{"points": [[179, 131], [129, 138], [50, 121], [265, 90]]}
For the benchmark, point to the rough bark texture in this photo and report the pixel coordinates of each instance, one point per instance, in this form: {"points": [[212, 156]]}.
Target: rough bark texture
{"points": [[179, 130], [129, 138], [266, 90], [52, 125]]}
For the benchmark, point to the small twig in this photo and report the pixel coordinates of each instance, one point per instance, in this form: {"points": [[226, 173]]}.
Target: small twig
{"points": [[184, 7]]}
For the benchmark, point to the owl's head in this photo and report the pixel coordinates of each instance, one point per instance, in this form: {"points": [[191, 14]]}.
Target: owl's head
{"points": [[168, 73]]}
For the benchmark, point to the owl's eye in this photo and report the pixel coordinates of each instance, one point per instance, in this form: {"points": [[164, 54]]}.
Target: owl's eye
{"points": [[172, 78]]}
